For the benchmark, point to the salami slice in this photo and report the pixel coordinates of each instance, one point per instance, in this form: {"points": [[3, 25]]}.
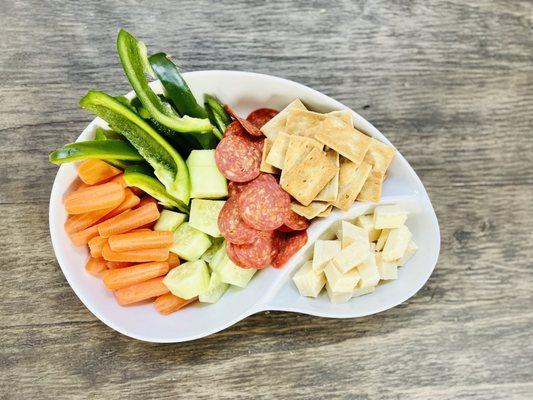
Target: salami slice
{"points": [[235, 129], [295, 222], [285, 228], [235, 188], [261, 116], [247, 125], [238, 159], [263, 204], [291, 243], [232, 226], [257, 254]]}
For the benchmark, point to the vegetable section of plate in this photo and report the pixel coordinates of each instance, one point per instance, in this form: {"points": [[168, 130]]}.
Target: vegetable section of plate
{"points": [[197, 200]]}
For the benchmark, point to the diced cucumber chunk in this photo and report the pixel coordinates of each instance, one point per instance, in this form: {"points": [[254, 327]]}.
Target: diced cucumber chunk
{"points": [[215, 290], [218, 257], [211, 252], [231, 273], [204, 215], [189, 280], [169, 220], [206, 180], [189, 243]]}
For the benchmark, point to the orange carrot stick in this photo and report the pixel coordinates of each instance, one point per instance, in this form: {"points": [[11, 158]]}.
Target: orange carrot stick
{"points": [[120, 179], [120, 278], [141, 291], [96, 244], [173, 260], [94, 198], [82, 237], [95, 171], [147, 200], [79, 222], [95, 266], [130, 201], [136, 256], [168, 303], [118, 264], [129, 220], [141, 240]]}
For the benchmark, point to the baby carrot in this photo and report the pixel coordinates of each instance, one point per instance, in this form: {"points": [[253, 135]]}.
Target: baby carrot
{"points": [[95, 266], [141, 291], [173, 260], [119, 264], [120, 179], [78, 222], [141, 240], [94, 198], [94, 171], [120, 278], [136, 256], [147, 200], [130, 201], [168, 303], [96, 244], [82, 237], [129, 220]]}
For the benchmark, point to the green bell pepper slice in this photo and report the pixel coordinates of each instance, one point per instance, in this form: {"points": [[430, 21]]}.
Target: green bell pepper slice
{"points": [[217, 115], [168, 165], [141, 177], [101, 149]]}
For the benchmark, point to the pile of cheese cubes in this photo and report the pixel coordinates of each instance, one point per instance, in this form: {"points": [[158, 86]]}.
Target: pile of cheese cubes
{"points": [[365, 252]]}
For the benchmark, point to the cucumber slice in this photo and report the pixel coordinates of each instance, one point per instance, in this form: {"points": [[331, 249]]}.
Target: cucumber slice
{"points": [[212, 251], [215, 290], [189, 243], [218, 257], [169, 220], [189, 280], [206, 180], [231, 273], [204, 215]]}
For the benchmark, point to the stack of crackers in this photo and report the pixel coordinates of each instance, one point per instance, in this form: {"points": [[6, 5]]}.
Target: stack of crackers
{"points": [[323, 160]]}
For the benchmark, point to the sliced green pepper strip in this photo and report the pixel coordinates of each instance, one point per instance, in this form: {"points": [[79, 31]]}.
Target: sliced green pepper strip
{"points": [[168, 165], [218, 116], [102, 134], [142, 178], [102, 149], [175, 86], [135, 63]]}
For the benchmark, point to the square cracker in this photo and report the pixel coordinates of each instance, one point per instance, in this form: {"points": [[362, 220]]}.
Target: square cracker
{"points": [[299, 122], [309, 176], [276, 154], [343, 138], [351, 180], [326, 212], [379, 155], [371, 190], [345, 115], [265, 166], [329, 193], [310, 211], [298, 147], [276, 124]]}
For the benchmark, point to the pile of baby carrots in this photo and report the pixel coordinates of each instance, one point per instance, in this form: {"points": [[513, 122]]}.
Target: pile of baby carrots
{"points": [[116, 222]]}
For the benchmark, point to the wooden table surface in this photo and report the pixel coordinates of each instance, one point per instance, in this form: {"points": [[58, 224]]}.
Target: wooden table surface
{"points": [[449, 82]]}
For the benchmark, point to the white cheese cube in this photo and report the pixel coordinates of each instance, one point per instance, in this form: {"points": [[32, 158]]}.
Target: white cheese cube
{"points": [[368, 270], [382, 239], [361, 291], [397, 243], [341, 282], [309, 282], [367, 223], [348, 233], [351, 256], [410, 252], [337, 297], [388, 270], [324, 251], [389, 217]]}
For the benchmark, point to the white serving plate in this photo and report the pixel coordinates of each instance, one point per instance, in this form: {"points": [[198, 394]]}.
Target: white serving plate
{"points": [[270, 289]]}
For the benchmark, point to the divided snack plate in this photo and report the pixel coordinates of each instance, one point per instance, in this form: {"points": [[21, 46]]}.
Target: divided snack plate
{"points": [[269, 289]]}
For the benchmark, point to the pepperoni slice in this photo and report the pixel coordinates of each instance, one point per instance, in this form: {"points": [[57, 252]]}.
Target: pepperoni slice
{"points": [[285, 228], [256, 255], [261, 116], [232, 226], [247, 125], [295, 222], [235, 188], [238, 159], [291, 243], [235, 129], [263, 204]]}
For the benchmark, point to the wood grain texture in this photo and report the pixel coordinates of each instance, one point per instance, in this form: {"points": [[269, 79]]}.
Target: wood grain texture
{"points": [[449, 82]]}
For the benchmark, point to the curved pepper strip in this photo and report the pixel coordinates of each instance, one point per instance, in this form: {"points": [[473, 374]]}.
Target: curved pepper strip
{"points": [[135, 63], [101, 149], [218, 116], [168, 165]]}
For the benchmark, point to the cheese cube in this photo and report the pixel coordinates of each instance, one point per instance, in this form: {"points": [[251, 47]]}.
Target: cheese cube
{"points": [[410, 252], [382, 239], [337, 297], [367, 223], [351, 256], [362, 291], [340, 282], [324, 251], [348, 233], [368, 270], [397, 243], [309, 282], [389, 217], [387, 269]]}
